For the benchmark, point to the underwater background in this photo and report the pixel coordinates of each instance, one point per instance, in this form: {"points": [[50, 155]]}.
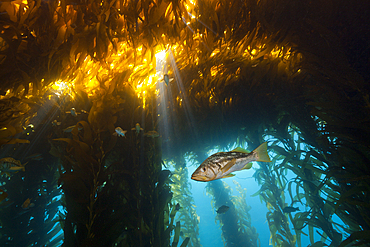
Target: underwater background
{"points": [[107, 108]]}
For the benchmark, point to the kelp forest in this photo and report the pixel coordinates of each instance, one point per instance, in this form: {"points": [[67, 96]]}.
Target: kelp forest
{"points": [[104, 105]]}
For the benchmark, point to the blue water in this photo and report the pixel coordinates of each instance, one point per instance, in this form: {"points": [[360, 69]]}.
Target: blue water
{"points": [[210, 230]]}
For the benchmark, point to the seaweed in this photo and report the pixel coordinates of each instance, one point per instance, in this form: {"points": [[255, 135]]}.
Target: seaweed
{"points": [[236, 224], [240, 69], [180, 188], [37, 223]]}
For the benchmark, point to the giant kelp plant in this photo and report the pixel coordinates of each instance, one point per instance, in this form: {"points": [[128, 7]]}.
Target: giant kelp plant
{"points": [[236, 224], [201, 73], [184, 201]]}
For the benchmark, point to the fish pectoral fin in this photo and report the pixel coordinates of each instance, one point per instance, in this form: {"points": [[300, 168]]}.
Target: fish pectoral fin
{"points": [[262, 153], [229, 175], [240, 150], [228, 165], [247, 166]]}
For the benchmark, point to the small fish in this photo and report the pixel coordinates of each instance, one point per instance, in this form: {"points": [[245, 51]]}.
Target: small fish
{"points": [[288, 210], [70, 128], [137, 128], [27, 204], [36, 156], [56, 123], [72, 112], [119, 132], [222, 164], [223, 209], [151, 134], [9, 164], [29, 129], [167, 79]]}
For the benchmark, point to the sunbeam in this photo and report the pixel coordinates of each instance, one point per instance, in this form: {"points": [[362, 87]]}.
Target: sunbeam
{"points": [[188, 112]]}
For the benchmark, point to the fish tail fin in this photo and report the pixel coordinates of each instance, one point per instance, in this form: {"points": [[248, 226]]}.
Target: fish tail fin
{"points": [[262, 153]]}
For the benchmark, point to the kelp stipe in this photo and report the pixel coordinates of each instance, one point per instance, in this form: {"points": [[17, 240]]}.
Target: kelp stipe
{"points": [[246, 67], [180, 188], [234, 232]]}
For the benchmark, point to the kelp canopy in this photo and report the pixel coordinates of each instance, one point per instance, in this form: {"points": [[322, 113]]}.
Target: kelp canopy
{"points": [[201, 73]]}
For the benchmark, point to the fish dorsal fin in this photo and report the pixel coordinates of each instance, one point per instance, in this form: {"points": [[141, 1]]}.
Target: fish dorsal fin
{"points": [[240, 150], [262, 153], [229, 175], [228, 165], [247, 166]]}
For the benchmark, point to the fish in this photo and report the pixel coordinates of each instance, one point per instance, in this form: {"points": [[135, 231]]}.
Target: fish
{"points": [[223, 209], [288, 210], [27, 204], [137, 128], [151, 134], [28, 130], [36, 156], [9, 164], [72, 112], [119, 132], [167, 79], [70, 128], [56, 123], [222, 164]]}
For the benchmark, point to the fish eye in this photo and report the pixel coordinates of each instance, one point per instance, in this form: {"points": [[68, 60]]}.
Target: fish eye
{"points": [[203, 169]]}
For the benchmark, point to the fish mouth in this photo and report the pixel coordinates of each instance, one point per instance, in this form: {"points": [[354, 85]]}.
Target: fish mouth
{"points": [[199, 178]]}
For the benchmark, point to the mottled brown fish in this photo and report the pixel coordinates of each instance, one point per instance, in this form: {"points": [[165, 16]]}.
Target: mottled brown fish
{"points": [[222, 164]]}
